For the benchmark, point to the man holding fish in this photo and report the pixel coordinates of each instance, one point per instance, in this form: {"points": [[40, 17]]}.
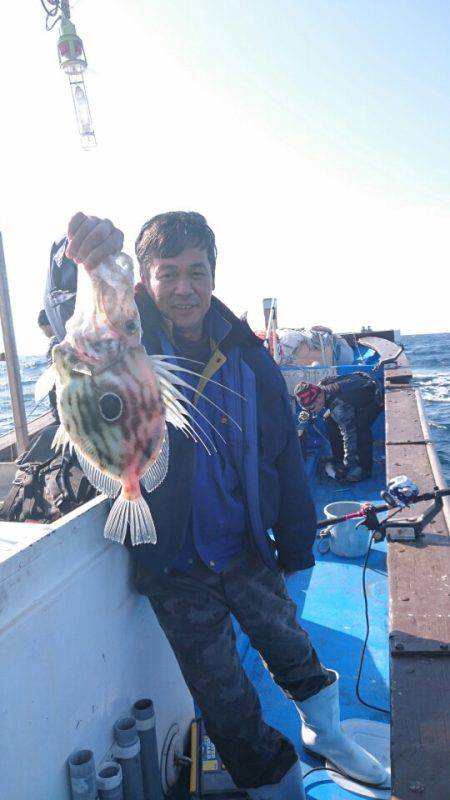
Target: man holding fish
{"points": [[232, 510]]}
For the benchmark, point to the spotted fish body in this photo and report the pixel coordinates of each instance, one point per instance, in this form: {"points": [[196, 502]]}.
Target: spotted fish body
{"points": [[115, 416], [115, 419]]}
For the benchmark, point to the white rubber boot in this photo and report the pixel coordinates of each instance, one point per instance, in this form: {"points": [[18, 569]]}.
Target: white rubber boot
{"points": [[289, 788], [322, 735]]}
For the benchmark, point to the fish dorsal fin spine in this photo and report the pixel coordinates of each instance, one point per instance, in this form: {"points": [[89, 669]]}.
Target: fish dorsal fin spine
{"points": [[175, 402], [164, 367], [44, 383], [82, 369]]}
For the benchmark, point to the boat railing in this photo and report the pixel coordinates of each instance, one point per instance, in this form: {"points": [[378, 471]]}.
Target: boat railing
{"points": [[12, 359]]}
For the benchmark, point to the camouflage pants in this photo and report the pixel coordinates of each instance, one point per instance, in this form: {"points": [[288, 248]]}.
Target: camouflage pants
{"points": [[194, 612]]}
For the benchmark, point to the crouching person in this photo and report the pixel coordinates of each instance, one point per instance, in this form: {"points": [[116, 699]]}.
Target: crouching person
{"points": [[352, 404]]}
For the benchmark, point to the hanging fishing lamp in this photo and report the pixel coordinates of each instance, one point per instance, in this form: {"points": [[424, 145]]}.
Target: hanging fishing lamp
{"points": [[72, 60]]}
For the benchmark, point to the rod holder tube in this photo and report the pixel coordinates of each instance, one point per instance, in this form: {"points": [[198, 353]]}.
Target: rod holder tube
{"points": [[109, 781], [144, 714], [83, 781], [12, 359], [127, 751]]}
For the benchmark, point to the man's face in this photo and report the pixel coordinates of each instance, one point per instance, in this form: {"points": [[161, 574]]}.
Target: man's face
{"points": [[319, 404], [47, 330], [181, 287]]}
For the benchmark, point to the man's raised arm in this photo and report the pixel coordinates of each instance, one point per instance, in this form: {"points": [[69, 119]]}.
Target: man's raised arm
{"points": [[89, 240]]}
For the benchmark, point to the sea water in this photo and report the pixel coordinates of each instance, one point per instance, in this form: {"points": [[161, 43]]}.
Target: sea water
{"points": [[429, 355], [31, 367]]}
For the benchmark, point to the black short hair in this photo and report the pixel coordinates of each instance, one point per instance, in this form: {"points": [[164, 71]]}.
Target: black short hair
{"points": [[168, 234], [42, 318]]}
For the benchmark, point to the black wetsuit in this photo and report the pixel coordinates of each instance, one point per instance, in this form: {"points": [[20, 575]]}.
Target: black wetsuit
{"points": [[353, 402]]}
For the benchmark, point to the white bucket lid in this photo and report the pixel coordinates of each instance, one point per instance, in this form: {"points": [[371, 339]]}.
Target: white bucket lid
{"points": [[340, 507]]}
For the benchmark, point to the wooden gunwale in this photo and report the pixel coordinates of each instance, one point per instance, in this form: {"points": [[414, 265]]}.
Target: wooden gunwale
{"points": [[419, 624], [8, 445]]}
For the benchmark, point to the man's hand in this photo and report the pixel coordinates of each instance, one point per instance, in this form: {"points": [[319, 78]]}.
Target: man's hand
{"points": [[91, 239], [340, 471], [285, 571]]}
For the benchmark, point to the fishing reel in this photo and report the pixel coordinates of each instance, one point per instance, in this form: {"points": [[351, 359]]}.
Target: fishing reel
{"points": [[402, 492], [302, 422]]}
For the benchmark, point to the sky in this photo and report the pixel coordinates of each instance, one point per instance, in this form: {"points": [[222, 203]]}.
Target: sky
{"points": [[314, 135]]}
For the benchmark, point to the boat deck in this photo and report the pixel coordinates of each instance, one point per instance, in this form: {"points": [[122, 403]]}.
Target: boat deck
{"points": [[335, 620]]}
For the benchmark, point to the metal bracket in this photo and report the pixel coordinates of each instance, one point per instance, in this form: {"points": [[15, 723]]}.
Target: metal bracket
{"points": [[406, 645], [389, 360], [408, 530], [402, 534]]}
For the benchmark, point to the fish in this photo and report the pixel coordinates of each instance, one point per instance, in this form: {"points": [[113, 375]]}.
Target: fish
{"points": [[105, 316], [115, 401]]}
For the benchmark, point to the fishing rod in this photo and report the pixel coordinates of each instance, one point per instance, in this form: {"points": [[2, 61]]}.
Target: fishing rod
{"points": [[401, 493]]}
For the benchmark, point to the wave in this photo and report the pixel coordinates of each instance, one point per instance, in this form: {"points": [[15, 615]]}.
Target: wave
{"points": [[428, 351], [436, 397], [434, 388], [440, 427]]}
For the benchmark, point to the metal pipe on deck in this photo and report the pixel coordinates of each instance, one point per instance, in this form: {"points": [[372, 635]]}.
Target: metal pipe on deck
{"points": [[127, 751], [144, 714], [12, 360], [109, 781], [83, 781]]}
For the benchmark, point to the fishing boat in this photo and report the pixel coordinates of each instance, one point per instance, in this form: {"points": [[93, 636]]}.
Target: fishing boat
{"points": [[78, 645]]}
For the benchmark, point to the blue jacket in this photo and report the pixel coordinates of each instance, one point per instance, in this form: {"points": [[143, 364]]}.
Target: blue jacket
{"points": [[218, 530], [273, 475]]}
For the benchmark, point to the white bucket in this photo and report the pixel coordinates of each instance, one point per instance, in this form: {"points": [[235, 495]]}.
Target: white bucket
{"points": [[345, 539]]}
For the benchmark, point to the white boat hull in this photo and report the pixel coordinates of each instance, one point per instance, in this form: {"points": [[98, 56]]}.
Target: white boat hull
{"points": [[78, 646]]}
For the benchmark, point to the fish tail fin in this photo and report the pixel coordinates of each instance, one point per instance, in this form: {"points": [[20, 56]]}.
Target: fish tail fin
{"points": [[135, 514]]}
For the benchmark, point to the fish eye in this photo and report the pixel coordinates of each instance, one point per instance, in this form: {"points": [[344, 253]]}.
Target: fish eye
{"points": [[111, 406], [130, 326]]}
